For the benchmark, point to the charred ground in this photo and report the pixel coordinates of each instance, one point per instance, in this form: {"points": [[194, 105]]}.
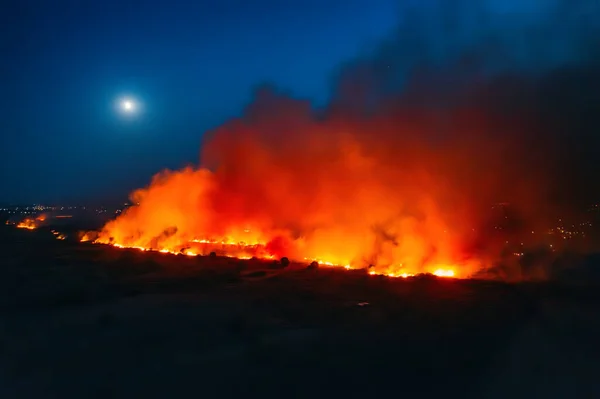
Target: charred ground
{"points": [[84, 320]]}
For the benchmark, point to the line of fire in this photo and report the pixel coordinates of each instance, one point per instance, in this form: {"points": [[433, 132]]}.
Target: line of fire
{"points": [[247, 245]]}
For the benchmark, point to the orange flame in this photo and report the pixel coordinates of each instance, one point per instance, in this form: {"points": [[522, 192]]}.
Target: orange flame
{"points": [[444, 273], [28, 223], [31, 223], [174, 215]]}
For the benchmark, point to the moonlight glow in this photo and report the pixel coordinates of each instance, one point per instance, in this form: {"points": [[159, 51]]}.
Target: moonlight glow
{"points": [[128, 105]]}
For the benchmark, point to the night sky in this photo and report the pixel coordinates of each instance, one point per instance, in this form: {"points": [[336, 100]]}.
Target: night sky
{"points": [[194, 65]]}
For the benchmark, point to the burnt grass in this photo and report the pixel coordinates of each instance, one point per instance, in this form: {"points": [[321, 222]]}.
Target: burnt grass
{"points": [[81, 320]]}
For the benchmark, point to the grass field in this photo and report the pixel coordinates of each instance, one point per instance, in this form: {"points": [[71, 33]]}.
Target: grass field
{"points": [[92, 321]]}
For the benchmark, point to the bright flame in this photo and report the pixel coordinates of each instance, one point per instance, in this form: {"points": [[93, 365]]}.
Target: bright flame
{"points": [[31, 223], [444, 273], [169, 226], [166, 226], [27, 224]]}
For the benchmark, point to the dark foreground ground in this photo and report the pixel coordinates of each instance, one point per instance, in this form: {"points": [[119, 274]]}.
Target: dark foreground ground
{"points": [[81, 321]]}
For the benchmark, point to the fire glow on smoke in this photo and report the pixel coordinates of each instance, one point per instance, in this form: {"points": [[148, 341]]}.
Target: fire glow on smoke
{"points": [[399, 172], [195, 212], [379, 192], [281, 183]]}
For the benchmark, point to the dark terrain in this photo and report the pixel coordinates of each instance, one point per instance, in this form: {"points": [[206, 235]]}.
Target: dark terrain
{"points": [[91, 321]]}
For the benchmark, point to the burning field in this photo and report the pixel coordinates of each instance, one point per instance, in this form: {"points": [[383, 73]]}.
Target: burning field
{"points": [[378, 192], [31, 223], [402, 171], [41, 220], [420, 234], [402, 191]]}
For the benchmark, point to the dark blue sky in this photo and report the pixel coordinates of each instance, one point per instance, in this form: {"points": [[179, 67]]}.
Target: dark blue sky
{"points": [[195, 64], [192, 63]]}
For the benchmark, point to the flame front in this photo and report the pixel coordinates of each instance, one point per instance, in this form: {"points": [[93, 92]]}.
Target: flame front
{"points": [[178, 214], [348, 213]]}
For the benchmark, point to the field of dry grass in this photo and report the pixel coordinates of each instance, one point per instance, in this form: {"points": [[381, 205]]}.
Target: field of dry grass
{"points": [[90, 321]]}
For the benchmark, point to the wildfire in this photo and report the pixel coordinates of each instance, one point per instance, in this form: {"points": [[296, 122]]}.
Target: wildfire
{"points": [[27, 224], [195, 212], [165, 221], [382, 193], [31, 223]]}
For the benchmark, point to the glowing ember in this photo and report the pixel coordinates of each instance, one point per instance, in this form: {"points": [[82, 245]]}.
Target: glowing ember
{"points": [[59, 235]]}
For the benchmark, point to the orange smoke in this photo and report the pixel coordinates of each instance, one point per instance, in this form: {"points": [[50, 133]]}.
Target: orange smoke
{"points": [[395, 192]]}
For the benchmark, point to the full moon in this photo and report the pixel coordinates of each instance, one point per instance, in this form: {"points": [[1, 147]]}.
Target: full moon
{"points": [[128, 105]]}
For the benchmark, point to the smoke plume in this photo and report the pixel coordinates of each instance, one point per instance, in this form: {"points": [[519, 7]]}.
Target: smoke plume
{"points": [[464, 108]]}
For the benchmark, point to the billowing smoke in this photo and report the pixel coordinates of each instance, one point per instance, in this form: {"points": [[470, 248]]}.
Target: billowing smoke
{"points": [[465, 108]]}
